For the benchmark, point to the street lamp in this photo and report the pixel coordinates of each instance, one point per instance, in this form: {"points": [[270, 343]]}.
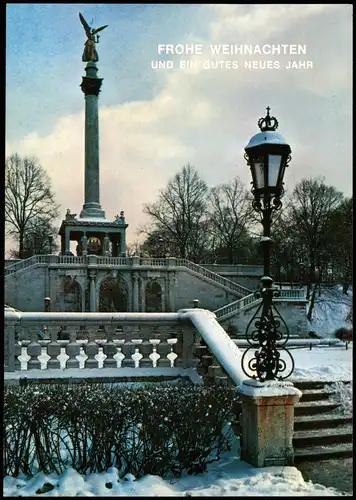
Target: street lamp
{"points": [[267, 155]]}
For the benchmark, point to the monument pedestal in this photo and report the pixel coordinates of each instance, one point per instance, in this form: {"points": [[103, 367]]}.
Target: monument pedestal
{"points": [[267, 422]]}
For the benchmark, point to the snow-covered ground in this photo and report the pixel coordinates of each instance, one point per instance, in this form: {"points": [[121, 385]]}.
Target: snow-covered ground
{"points": [[228, 477], [323, 363], [330, 311]]}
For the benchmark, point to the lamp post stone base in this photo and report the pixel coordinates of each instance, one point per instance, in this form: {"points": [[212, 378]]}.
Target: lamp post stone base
{"points": [[267, 422]]}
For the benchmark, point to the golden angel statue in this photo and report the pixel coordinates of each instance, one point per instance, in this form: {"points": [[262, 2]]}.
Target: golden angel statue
{"points": [[90, 53]]}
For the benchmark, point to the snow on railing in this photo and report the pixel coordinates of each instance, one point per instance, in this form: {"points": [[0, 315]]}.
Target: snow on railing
{"points": [[115, 340], [220, 344], [237, 305], [213, 276], [250, 300], [241, 269]]}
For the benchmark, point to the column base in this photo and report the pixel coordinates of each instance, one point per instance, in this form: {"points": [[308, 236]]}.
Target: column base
{"points": [[92, 211], [267, 422]]}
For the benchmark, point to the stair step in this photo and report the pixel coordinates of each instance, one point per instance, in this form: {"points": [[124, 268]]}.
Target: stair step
{"points": [[324, 437], [315, 395], [315, 384], [320, 422], [343, 450], [310, 408]]}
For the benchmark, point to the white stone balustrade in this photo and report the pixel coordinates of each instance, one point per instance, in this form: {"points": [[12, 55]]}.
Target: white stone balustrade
{"points": [[163, 341]]}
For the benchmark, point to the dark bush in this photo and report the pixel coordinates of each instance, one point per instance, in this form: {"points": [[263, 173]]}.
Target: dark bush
{"points": [[142, 430]]}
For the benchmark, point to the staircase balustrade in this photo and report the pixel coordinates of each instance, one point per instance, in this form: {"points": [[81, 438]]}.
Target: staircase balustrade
{"points": [[76, 341]]}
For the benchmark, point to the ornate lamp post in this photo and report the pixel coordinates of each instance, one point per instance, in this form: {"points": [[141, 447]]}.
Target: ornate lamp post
{"points": [[267, 155]]}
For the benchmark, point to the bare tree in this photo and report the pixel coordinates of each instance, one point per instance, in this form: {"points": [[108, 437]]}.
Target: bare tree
{"points": [[230, 213], [39, 238], [340, 242], [180, 211], [310, 219], [133, 248], [28, 196]]}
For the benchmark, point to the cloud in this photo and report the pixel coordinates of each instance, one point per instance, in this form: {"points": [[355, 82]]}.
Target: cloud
{"points": [[206, 117]]}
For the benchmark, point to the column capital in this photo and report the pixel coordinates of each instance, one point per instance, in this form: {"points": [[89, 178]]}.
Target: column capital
{"points": [[92, 274], [91, 86]]}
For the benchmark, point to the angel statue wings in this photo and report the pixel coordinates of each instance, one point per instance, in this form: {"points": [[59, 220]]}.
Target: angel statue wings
{"points": [[90, 53]]}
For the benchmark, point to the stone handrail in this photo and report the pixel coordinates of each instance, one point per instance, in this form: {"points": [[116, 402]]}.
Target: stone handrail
{"points": [[242, 290], [23, 264], [70, 259], [115, 340], [242, 269], [250, 301], [93, 260]]}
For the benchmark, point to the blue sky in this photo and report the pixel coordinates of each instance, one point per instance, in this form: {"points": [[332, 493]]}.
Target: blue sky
{"points": [[43, 54], [152, 122]]}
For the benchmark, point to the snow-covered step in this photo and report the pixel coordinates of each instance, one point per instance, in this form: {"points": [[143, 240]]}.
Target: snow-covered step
{"points": [[315, 395], [323, 452], [315, 384], [326, 421], [312, 408], [322, 437]]}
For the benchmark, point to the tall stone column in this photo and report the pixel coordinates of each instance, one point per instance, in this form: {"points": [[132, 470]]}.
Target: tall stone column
{"points": [[67, 241], [92, 291], [143, 291], [135, 292], [91, 87], [123, 244]]}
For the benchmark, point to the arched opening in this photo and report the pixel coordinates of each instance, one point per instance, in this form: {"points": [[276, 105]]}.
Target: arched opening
{"points": [[153, 297], [113, 296], [72, 295]]}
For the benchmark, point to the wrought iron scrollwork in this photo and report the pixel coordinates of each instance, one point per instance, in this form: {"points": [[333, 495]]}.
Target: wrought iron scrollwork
{"points": [[270, 359]]}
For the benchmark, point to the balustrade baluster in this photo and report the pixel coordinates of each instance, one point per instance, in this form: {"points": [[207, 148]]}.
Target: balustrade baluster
{"points": [[73, 348], [18, 352], [33, 348], [145, 347], [178, 346], [53, 348], [17, 347], [110, 348], [91, 349], [128, 348], [163, 349]]}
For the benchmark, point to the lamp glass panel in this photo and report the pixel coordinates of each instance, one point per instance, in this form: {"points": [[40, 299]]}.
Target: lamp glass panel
{"points": [[259, 167], [274, 165]]}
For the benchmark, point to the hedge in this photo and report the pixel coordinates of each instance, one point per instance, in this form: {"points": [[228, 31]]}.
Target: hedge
{"points": [[139, 430]]}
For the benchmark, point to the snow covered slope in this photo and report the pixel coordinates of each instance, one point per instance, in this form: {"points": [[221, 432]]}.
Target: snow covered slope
{"points": [[330, 311]]}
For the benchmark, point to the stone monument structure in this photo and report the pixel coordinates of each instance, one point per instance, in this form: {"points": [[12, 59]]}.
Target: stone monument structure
{"points": [[94, 234], [100, 277]]}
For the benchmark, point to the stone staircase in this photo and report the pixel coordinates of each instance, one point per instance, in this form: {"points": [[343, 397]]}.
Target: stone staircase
{"points": [[188, 266], [321, 429]]}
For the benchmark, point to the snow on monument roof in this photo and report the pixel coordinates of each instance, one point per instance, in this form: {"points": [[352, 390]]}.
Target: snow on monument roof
{"points": [[267, 137]]}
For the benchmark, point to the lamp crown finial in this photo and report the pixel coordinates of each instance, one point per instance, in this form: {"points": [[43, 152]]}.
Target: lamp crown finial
{"points": [[268, 122]]}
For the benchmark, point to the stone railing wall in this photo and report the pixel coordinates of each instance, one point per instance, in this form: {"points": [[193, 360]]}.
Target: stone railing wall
{"points": [[292, 294], [243, 270], [101, 262], [25, 263], [54, 343]]}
